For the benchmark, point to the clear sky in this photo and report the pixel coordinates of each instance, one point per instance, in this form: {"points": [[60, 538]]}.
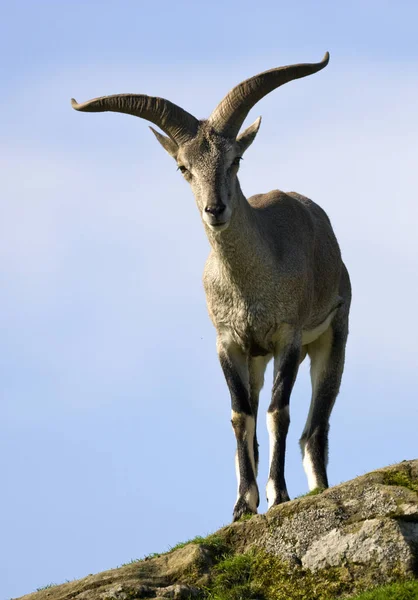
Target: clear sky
{"points": [[115, 439]]}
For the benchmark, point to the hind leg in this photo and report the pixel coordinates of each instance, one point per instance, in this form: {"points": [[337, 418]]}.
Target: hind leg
{"points": [[257, 366], [327, 364], [286, 364]]}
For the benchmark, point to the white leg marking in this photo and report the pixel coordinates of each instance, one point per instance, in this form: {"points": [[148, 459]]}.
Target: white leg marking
{"points": [[251, 497], [271, 493], [237, 474], [248, 424], [249, 431], [272, 431], [309, 470]]}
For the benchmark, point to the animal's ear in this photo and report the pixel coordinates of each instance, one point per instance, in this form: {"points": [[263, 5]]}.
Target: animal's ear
{"points": [[167, 143], [246, 138]]}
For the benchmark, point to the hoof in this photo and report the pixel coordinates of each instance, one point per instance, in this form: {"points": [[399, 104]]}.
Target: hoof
{"points": [[242, 509], [281, 497]]}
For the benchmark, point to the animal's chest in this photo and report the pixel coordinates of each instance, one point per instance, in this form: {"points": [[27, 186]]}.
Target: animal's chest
{"points": [[247, 318]]}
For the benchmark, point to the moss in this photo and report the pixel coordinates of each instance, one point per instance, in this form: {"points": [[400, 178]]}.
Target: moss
{"points": [[215, 543], [197, 540], [246, 517], [406, 590], [400, 478], [257, 575], [233, 579], [218, 546], [280, 581], [314, 492]]}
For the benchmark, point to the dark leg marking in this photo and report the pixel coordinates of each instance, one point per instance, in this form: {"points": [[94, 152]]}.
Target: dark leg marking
{"points": [[257, 367], [327, 363], [286, 368], [235, 367]]}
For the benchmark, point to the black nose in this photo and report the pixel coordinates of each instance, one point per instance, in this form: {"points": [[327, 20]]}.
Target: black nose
{"points": [[215, 209]]}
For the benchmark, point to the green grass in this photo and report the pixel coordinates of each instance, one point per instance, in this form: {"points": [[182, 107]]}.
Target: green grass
{"points": [[314, 492], [196, 540], [215, 543], [52, 585], [46, 587], [132, 561], [408, 590], [233, 580], [401, 479], [257, 575], [246, 517]]}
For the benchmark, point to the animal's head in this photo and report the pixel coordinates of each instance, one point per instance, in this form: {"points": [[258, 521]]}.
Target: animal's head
{"points": [[207, 152]]}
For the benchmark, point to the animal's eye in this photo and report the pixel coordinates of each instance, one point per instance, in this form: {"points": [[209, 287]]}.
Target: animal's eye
{"points": [[237, 160], [182, 169]]}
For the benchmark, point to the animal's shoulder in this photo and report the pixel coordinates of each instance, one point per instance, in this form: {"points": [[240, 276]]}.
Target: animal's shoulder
{"points": [[274, 198], [289, 204], [283, 215]]}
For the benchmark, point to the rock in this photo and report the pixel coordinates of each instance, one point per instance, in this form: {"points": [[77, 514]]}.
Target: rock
{"points": [[383, 543], [179, 592], [125, 592], [350, 537]]}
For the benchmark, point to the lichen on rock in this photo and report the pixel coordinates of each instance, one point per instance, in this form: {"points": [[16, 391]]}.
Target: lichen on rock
{"points": [[347, 539]]}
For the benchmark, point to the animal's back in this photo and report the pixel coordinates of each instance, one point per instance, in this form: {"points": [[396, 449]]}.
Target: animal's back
{"points": [[294, 223]]}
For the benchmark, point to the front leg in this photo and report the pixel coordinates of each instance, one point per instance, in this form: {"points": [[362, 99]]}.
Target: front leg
{"points": [[286, 363], [234, 363]]}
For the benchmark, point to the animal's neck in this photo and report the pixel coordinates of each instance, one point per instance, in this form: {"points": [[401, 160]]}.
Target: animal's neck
{"points": [[240, 249]]}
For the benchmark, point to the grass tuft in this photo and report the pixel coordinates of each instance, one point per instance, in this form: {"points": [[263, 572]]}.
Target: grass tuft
{"points": [[196, 540], [407, 590], [246, 517], [257, 575], [233, 579], [400, 479], [46, 587], [215, 543], [314, 492]]}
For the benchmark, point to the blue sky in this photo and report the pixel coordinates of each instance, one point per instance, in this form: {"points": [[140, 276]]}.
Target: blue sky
{"points": [[115, 438]]}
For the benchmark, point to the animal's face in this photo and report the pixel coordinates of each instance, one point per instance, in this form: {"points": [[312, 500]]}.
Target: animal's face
{"points": [[210, 163]]}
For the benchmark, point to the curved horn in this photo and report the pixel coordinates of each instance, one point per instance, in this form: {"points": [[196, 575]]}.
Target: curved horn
{"points": [[230, 113], [180, 125]]}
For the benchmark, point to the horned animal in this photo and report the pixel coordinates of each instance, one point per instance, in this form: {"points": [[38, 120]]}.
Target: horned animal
{"points": [[275, 283]]}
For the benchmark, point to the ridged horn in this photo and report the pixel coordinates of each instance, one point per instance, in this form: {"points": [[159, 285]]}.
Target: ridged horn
{"points": [[180, 125], [231, 112]]}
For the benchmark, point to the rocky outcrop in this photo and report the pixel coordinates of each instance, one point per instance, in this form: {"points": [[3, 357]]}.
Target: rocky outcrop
{"points": [[346, 539]]}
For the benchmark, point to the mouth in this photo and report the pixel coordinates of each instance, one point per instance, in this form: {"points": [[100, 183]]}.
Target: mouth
{"points": [[219, 226], [216, 222]]}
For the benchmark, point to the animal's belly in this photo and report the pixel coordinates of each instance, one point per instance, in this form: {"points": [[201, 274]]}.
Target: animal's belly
{"points": [[310, 335], [258, 333]]}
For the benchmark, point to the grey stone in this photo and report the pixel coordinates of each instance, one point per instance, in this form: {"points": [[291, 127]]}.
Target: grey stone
{"points": [[124, 591], [367, 526], [179, 592], [385, 543]]}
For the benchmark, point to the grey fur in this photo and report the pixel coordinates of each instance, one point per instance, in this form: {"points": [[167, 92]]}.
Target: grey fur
{"points": [[275, 283]]}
